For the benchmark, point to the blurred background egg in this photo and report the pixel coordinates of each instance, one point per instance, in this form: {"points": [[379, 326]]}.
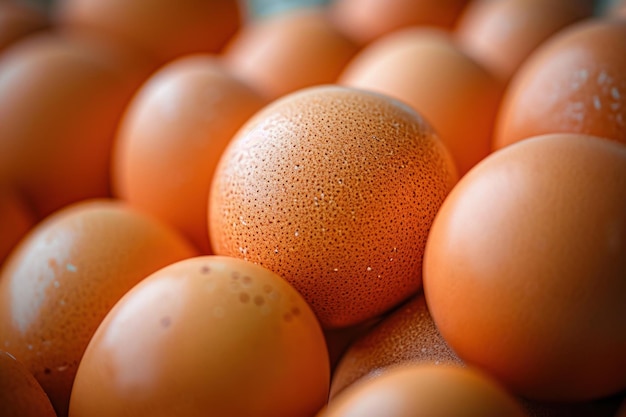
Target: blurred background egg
{"points": [[161, 29], [334, 189], [425, 69], [20, 393], [524, 267], [366, 20], [425, 390], [287, 51], [62, 279], [16, 219], [19, 19], [61, 100], [575, 82], [501, 34], [172, 136], [208, 336]]}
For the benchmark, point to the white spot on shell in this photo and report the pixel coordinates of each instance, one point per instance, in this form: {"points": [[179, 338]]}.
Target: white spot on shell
{"points": [[615, 93], [71, 267], [597, 103]]}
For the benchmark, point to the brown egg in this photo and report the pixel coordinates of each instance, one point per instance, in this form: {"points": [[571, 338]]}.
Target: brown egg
{"points": [[425, 69], [20, 393], [367, 20], [163, 29], [172, 136], [575, 82], [61, 101], [334, 189], [17, 20], [289, 51], [59, 283], [524, 267], [16, 219], [208, 336], [501, 34], [425, 390], [408, 335]]}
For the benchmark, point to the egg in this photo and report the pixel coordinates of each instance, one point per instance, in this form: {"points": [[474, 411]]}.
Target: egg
{"points": [[425, 69], [62, 279], [17, 20], [501, 34], [171, 137], [161, 29], [16, 219], [425, 390], [207, 336], [20, 393], [334, 189], [574, 83], [366, 20], [288, 51], [524, 267], [407, 335], [61, 100]]}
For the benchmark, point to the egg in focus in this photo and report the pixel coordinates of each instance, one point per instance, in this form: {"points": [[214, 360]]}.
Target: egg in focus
{"points": [[205, 336], [334, 189]]}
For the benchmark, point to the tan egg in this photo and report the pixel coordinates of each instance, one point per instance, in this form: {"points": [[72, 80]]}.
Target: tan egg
{"points": [[60, 282], [288, 51], [425, 390], [162, 29], [406, 336], [61, 100], [425, 69], [334, 189], [207, 336], [366, 20], [20, 393], [16, 219], [17, 20], [575, 83], [524, 267], [172, 137], [501, 34]]}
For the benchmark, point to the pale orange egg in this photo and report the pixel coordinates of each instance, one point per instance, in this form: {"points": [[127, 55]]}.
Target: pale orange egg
{"points": [[366, 20], [61, 100], [575, 83], [62, 279], [207, 336], [524, 267], [425, 69], [162, 29], [335, 190], [289, 51], [501, 34], [425, 390], [172, 136]]}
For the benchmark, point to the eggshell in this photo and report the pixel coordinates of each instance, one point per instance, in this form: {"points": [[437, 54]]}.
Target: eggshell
{"points": [[425, 390], [17, 20], [288, 51], [501, 34], [334, 189], [574, 83], [20, 393], [61, 101], [171, 138], [524, 267], [16, 219], [408, 335], [425, 69], [208, 336], [366, 20], [162, 29], [59, 283]]}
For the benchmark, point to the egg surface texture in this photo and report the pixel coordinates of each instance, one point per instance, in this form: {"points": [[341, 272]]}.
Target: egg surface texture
{"points": [[334, 189], [208, 336], [524, 272]]}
